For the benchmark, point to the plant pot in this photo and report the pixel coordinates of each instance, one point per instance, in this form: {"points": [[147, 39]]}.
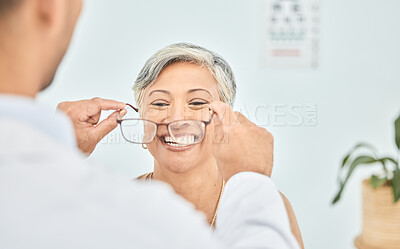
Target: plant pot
{"points": [[381, 219]]}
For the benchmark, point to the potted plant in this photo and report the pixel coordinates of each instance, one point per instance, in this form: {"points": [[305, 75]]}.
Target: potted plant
{"points": [[381, 194]]}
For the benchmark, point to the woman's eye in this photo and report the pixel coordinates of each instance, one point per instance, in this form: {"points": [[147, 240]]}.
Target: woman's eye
{"points": [[198, 103], [159, 104]]}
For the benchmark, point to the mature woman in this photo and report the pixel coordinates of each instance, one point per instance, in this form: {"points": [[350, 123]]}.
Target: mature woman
{"points": [[177, 83]]}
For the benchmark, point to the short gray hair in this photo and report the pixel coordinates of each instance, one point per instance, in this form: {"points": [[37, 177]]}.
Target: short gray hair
{"points": [[185, 52]]}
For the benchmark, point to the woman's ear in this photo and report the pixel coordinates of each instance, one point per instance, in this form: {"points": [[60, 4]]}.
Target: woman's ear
{"points": [[51, 15]]}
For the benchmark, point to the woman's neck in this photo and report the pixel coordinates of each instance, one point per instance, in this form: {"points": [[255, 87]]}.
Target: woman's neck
{"points": [[201, 185]]}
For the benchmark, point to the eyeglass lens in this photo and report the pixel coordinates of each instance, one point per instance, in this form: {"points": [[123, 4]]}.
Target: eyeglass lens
{"points": [[182, 132]]}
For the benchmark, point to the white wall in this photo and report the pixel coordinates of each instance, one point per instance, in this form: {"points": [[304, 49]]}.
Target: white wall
{"points": [[355, 89]]}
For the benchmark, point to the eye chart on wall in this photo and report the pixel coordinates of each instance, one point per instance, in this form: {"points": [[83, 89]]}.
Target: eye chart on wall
{"points": [[291, 31]]}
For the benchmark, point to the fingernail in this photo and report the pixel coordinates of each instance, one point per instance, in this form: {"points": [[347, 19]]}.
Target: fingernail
{"points": [[122, 113]]}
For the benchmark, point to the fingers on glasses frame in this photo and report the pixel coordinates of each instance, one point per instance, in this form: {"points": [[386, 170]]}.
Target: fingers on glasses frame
{"points": [[139, 141]]}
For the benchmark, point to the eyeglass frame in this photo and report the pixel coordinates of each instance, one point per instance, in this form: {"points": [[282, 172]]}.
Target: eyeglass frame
{"points": [[119, 121]]}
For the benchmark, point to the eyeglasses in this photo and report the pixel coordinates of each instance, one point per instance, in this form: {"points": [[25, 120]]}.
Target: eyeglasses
{"points": [[177, 133]]}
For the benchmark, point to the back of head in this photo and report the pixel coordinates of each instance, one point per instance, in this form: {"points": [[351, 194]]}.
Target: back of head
{"points": [[34, 36], [8, 5]]}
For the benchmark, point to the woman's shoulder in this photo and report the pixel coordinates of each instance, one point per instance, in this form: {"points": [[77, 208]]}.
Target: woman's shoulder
{"points": [[146, 177]]}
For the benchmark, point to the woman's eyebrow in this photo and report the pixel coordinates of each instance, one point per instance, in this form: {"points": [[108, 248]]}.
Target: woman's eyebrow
{"points": [[200, 89], [161, 91]]}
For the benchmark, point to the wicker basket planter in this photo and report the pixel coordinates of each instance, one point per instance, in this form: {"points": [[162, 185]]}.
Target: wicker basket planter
{"points": [[381, 219]]}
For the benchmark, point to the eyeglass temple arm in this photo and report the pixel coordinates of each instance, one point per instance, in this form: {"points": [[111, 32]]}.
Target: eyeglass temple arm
{"points": [[134, 108]]}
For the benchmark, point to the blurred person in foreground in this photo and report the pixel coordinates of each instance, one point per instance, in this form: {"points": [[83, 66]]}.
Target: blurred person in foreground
{"points": [[50, 198]]}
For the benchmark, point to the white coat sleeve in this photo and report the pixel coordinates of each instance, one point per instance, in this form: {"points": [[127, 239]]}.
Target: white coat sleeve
{"points": [[252, 214]]}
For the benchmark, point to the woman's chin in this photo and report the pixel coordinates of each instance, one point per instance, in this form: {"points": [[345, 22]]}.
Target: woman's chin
{"points": [[177, 167], [177, 159], [177, 164]]}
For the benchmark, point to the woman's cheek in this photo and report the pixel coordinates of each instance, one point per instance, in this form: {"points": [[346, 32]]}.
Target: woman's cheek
{"points": [[152, 148]]}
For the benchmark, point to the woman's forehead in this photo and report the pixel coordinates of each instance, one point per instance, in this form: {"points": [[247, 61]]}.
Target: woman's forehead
{"points": [[184, 78], [199, 92]]}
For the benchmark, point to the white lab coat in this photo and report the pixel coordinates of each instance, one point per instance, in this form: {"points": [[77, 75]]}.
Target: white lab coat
{"points": [[50, 198]]}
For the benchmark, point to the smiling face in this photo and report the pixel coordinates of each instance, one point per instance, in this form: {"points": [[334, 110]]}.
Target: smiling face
{"points": [[182, 91]]}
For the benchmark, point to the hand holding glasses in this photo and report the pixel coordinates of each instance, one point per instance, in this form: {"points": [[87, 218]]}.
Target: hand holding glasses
{"points": [[176, 133]]}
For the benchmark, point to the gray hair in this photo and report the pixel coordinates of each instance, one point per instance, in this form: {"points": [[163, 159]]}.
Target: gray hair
{"points": [[185, 52]]}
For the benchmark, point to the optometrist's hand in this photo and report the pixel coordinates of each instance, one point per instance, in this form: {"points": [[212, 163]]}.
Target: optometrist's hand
{"points": [[238, 144], [85, 116]]}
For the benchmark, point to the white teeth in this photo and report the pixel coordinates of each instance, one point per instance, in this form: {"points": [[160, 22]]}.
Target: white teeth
{"points": [[176, 145], [169, 140], [185, 139], [180, 141]]}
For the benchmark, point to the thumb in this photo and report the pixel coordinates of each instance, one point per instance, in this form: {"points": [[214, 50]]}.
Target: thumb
{"points": [[218, 129], [223, 119], [106, 126]]}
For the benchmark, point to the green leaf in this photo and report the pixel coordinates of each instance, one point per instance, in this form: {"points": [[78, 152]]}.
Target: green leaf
{"points": [[346, 159], [383, 159], [360, 145], [356, 162], [376, 182], [396, 185], [397, 131], [338, 195]]}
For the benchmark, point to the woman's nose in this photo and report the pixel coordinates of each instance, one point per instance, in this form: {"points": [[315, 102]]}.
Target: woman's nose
{"points": [[175, 114], [180, 112]]}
